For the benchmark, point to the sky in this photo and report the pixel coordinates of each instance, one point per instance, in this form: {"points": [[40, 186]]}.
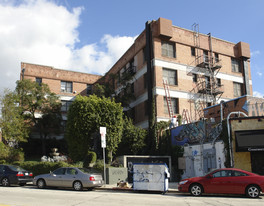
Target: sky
{"points": [[91, 35]]}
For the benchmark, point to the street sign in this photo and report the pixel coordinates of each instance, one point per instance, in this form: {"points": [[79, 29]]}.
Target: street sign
{"points": [[103, 139], [103, 145]]}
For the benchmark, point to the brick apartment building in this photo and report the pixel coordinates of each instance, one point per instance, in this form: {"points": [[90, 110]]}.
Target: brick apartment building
{"points": [[66, 84], [196, 67], [176, 70]]}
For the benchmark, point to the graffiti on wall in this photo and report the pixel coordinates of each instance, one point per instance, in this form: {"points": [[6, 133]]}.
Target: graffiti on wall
{"points": [[198, 132], [254, 108]]}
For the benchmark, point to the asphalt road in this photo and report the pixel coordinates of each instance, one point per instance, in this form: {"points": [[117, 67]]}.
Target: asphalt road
{"points": [[31, 196]]}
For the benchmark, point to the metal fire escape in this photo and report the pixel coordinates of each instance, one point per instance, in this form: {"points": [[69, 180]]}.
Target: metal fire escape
{"points": [[208, 89]]}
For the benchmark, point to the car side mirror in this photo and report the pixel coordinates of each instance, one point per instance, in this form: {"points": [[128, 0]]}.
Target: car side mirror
{"points": [[209, 176]]}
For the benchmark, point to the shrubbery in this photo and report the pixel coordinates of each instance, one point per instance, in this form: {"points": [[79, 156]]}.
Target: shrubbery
{"points": [[4, 151], [41, 167], [9, 154], [90, 158]]}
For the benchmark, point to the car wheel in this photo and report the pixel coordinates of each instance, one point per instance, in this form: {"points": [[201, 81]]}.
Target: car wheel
{"points": [[196, 190], [252, 191], [77, 185], [41, 184], [5, 182]]}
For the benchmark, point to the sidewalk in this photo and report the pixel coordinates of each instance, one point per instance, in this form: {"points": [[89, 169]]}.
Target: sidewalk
{"points": [[173, 187]]}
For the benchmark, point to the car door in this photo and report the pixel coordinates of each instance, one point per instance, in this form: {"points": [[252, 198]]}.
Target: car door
{"points": [[55, 178], [69, 177], [238, 182], [1, 172], [220, 182]]}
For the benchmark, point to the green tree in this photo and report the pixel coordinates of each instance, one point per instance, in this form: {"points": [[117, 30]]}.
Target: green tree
{"points": [[41, 108], [13, 127], [125, 92], [133, 139], [85, 116]]}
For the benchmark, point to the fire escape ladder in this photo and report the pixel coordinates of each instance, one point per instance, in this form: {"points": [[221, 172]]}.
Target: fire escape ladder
{"points": [[186, 116], [168, 98], [199, 108]]}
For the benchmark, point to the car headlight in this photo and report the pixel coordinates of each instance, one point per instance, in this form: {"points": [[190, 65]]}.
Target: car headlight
{"points": [[183, 182]]}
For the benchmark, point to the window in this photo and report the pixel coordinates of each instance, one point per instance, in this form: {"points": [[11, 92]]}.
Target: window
{"points": [[194, 76], [89, 89], [66, 86], [174, 104], [222, 173], [170, 76], [132, 68], [193, 51], [168, 49], [207, 82], [218, 82], [216, 57], [237, 89], [71, 171], [60, 171], [205, 55], [208, 104], [65, 105], [1, 169], [235, 63], [39, 80], [238, 174]]}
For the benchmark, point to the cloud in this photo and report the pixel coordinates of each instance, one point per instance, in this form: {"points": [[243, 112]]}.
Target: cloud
{"points": [[93, 59], [254, 53], [258, 94], [43, 32], [259, 74]]}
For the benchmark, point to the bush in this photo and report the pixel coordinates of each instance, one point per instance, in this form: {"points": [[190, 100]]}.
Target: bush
{"points": [[41, 167], [2, 161], [90, 158], [99, 165], [78, 164], [4, 151], [16, 155]]}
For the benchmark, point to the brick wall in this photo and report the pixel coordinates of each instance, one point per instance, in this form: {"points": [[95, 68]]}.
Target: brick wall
{"points": [[53, 78]]}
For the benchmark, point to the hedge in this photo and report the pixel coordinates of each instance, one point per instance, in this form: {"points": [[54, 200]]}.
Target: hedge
{"points": [[41, 167]]}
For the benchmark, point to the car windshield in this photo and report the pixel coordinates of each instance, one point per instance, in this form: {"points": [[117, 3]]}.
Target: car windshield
{"points": [[89, 170], [16, 168]]}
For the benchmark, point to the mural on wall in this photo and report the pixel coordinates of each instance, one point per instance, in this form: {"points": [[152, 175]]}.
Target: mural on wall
{"points": [[199, 132], [254, 106]]}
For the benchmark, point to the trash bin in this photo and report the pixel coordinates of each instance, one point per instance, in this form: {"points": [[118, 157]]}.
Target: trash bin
{"points": [[151, 177]]}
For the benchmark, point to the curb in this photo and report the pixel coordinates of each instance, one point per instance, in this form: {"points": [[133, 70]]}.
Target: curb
{"points": [[131, 189]]}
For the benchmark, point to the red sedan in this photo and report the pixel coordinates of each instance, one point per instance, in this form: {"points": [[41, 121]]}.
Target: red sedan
{"points": [[224, 181]]}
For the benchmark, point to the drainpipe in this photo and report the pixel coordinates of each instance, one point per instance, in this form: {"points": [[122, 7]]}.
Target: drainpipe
{"points": [[149, 57], [23, 73], [228, 131]]}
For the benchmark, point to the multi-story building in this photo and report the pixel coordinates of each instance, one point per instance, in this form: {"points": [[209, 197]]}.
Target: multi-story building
{"points": [[175, 71], [180, 71], [66, 84]]}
